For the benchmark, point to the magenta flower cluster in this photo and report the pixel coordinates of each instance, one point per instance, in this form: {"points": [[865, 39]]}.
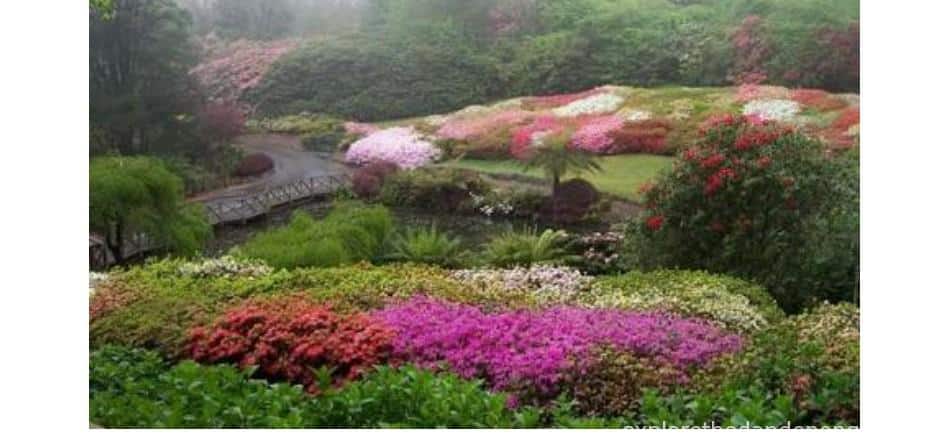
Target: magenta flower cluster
{"points": [[402, 146], [515, 349], [594, 135], [468, 127]]}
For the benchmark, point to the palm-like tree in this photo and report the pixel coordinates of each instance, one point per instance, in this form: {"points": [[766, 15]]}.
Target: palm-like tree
{"points": [[557, 160]]}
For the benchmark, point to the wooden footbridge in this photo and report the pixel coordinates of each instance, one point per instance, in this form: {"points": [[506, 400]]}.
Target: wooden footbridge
{"points": [[229, 210]]}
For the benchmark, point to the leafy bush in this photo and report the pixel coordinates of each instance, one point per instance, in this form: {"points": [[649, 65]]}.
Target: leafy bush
{"points": [[224, 266], [325, 135], [410, 397], [525, 248], [434, 189], [254, 165], [595, 253], [750, 200], [573, 201], [285, 339], [302, 123], [130, 388], [368, 180], [350, 233], [615, 382], [427, 246]]}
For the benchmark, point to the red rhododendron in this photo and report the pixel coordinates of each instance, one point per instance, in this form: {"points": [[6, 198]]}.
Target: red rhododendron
{"points": [[287, 338], [655, 222]]}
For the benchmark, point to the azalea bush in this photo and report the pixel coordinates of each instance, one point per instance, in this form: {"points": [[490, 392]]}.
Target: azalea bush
{"points": [[531, 352], [285, 339], [544, 284], [399, 145], [752, 199], [433, 189], [225, 266]]}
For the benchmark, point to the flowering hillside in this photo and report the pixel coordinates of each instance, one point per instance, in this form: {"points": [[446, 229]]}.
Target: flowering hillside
{"points": [[622, 120], [239, 66]]}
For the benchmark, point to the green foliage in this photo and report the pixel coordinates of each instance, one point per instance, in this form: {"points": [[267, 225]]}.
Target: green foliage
{"points": [[302, 123], [409, 397], [160, 304], [350, 233], [128, 389], [427, 246], [525, 248], [432, 189], [556, 161], [365, 77], [760, 202], [129, 196]]}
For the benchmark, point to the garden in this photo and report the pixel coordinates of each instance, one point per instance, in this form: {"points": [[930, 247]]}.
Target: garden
{"points": [[581, 248]]}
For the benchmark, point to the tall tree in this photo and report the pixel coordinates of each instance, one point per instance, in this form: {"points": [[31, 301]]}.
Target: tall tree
{"points": [[139, 88], [138, 196]]}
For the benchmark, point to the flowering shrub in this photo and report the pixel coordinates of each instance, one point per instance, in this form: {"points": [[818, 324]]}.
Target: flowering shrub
{"points": [[105, 297], [836, 328], [492, 204], [525, 139], [786, 187], [532, 351], [400, 145], [847, 119], [748, 92], [614, 383], [225, 266], [254, 165], [643, 136], [561, 99], [368, 179], [595, 135], [468, 127], [817, 99], [220, 121], [730, 303], [545, 284], [752, 51], [285, 339], [638, 115], [601, 103], [778, 110], [95, 279], [239, 67]]}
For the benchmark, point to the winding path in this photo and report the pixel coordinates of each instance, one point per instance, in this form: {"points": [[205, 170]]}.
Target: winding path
{"points": [[291, 164]]}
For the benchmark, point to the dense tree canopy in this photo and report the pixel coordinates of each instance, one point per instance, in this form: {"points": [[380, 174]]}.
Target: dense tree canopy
{"points": [[138, 196]]}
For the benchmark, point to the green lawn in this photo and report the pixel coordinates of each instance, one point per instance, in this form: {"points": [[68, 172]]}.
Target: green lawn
{"points": [[621, 176]]}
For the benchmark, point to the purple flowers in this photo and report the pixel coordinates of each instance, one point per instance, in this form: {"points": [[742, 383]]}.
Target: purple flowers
{"points": [[401, 146], [536, 348]]}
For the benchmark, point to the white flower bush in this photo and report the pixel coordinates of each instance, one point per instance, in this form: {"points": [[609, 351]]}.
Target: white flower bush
{"points": [[402, 146], [729, 310], [96, 279], [638, 115], [225, 266], [545, 284], [596, 104], [491, 205], [779, 110]]}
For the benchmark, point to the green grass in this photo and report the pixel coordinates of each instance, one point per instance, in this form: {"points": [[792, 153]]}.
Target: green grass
{"points": [[622, 175]]}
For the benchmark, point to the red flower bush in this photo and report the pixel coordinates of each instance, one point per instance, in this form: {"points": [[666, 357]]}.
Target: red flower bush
{"points": [[817, 99], [288, 338], [747, 199], [368, 180], [524, 138], [645, 136], [847, 119]]}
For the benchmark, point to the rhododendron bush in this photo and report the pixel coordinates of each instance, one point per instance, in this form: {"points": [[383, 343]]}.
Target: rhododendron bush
{"points": [[751, 199], [402, 146], [239, 67]]}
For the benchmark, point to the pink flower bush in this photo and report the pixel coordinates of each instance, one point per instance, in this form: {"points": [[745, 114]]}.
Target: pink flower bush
{"points": [[594, 135], [526, 137], [239, 67], [535, 349], [402, 146], [464, 128]]}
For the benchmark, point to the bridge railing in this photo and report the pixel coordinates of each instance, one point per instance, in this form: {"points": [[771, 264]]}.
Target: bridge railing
{"points": [[248, 207]]}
